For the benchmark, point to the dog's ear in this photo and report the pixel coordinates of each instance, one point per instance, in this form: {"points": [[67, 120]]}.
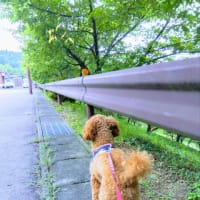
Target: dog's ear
{"points": [[113, 125], [89, 130]]}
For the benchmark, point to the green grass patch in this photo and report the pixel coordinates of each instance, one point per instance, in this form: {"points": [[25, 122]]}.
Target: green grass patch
{"points": [[74, 113], [47, 179]]}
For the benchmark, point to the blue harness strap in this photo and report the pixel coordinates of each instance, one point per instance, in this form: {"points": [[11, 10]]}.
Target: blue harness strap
{"points": [[102, 148]]}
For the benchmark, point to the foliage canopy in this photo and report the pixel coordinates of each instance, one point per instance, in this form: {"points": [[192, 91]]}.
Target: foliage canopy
{"points": [[62, 37]]}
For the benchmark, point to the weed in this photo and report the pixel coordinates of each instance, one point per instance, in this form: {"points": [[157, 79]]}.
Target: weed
{"points": [[47, 181], [36, 140]]}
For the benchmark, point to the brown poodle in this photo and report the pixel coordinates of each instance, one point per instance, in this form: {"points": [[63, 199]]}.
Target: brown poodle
{"points": [[128, 167]]}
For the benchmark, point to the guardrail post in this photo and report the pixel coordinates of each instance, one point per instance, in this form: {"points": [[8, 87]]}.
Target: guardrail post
{"points": [[90, 111], [29, 81], [59, 99]]}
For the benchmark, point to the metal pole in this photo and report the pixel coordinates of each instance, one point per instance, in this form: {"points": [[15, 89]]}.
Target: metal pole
{"points": [[90, 111], [59, 99], [29, 81]]}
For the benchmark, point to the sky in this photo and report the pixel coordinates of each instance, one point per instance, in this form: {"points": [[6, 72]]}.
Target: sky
{"points": [[7, 39]]}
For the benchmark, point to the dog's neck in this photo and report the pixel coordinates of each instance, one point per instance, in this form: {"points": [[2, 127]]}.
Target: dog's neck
{"points": [[103, 136]]}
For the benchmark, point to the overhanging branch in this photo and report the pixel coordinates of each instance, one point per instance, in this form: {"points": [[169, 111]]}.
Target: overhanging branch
{"points": [[80, 62], [148, 50], [116, 39], [52, 12]]}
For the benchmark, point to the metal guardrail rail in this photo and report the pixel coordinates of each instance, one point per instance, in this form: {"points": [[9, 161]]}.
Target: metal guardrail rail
{"points": [[166, 94]]}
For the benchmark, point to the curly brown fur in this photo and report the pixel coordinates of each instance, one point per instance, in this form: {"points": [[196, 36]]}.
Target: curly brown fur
{"points": [[129, 167]]}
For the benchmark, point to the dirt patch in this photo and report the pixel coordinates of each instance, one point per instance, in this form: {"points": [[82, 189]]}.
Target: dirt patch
{"points": [[161, 184]]}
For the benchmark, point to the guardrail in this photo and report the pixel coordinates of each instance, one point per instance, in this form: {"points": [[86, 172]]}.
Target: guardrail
{"points": [[166, 94]]}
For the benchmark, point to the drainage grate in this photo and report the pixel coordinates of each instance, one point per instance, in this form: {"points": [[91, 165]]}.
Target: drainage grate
{"points": [[54, 126]]}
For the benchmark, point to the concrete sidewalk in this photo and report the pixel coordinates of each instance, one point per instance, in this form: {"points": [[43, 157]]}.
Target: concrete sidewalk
{"points": [[18, 155], [69, 156]]}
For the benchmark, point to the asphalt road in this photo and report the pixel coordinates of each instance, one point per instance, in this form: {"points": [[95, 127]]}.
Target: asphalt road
{"points": [[18, 156]]}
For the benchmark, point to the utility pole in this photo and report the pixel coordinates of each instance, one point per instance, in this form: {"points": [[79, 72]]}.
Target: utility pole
{"points": [[29, 81]]}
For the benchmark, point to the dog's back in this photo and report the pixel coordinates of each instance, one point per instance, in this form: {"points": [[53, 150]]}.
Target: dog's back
{"points": [[129, 167]]}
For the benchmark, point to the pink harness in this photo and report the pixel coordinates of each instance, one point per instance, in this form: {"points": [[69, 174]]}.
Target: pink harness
{"points": [[107, 148]]}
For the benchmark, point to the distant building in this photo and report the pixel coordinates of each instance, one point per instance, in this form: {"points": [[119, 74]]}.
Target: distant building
{"points": [[3, 74], [17, 80]]}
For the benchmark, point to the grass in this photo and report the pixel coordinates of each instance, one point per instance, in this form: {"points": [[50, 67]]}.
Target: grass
{"points": [[47, 183], [35, 140], [175, 163], [74, 113], [47, 178]]}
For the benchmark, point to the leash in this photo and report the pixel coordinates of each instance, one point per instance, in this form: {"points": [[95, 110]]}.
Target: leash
{"points": [[118, 192], [106, 148]]}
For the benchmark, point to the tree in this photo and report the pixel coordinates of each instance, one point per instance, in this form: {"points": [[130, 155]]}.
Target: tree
{"points": [[10, 58], [63, 37], [10, 70]]}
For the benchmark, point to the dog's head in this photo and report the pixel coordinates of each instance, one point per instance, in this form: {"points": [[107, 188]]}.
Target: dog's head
{"points": [[98, 123]]}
